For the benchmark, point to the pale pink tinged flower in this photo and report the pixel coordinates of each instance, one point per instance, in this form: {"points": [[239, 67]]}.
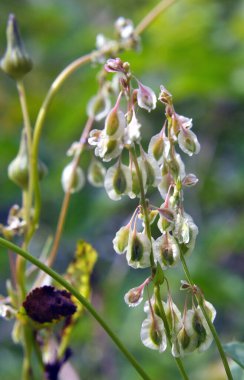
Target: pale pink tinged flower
{"points": [[146, 97], [139, 249], [188, 142], [114, 65], [153, 333], [189, 180], [120, 242], [117, 181], [78, 179], [134, 296], [165, 96]]}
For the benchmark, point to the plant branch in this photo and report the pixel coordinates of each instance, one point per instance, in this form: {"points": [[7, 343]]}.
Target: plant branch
{"points": [[27, 256], [200, 301], [153, 14]]}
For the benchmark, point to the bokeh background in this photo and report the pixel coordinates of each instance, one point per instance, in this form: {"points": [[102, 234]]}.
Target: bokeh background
{"points": [[196, 49]]}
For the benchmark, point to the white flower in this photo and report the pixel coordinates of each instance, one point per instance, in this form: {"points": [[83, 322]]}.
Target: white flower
{"points": [[188, 142], [120, 242], [96, 173], [98, 106], [124, 27], [139, 249], [132, 131], [159, 147], [78, 178], [166, 251], [117, 181], [153, 333]]}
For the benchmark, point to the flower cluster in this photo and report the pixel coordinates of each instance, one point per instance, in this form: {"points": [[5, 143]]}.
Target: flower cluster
{"points": [[133, 173]]}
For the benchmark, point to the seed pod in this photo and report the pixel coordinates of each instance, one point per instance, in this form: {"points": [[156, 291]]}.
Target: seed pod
{"points": [[18, 169], [117, 181], [78, 179], [138, 252], [16, 63], [120, 242], [96, 173]]}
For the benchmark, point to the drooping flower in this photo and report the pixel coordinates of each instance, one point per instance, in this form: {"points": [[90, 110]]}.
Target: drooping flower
{"points": [[71, 181], [166, 251], [117, 181], [120, 242], [188, 141], [132, 131], [96, 173], [153, 333], [134, 296], [146, 97], [139, 249]]}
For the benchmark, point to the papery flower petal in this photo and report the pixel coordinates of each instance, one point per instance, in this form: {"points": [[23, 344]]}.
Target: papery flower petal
{"points": [[148, 164], [185, 232], [146, 97], [117, 181], [115, 124], [78, 180], [190, 180], [153, 334], [188, 142], [134, 296], [120, 242], [96, 173], [106, 148], [173, 316], [132, 131], [98, 106], [159, 147], [166, 251], [139, 249]]}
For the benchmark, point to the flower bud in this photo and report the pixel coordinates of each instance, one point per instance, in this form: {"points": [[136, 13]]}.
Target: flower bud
{"points": [[96, 173], [15, 62], [134, 296], [114, 65], [139, 249], [146, 98], [188, 142], [77, 178], [165, 96], [18, 169], [117, 181], [120, 242]]}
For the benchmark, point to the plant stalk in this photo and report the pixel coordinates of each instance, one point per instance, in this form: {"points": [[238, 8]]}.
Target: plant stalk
{"points": [[57, 277]]}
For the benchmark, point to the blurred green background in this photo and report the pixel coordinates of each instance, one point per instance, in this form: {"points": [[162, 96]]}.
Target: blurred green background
{"points": [[196, 49]]}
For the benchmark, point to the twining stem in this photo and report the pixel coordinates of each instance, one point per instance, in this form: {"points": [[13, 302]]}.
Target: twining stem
{"points": [[149, 235], [151, 16], [57, 277], [200, 301], [167, 330]]}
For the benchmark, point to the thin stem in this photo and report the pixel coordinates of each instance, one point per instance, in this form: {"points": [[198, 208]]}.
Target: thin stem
{"points": [[66, 199], [143, 203], [81, 299], [151, 16], [167, 330], [200, 301]]}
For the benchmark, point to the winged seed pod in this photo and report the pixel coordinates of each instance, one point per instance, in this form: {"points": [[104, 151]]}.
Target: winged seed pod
{"points": [[117, 181], [78, 178], [153, 333], [120, 242], [139, 249], [15, 62], [166, 251], [96, 173]]}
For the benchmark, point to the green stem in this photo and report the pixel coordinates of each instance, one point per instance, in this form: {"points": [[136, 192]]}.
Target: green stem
{"points": [[167, 330], [200, 301], [80, 298], [143, 203]]}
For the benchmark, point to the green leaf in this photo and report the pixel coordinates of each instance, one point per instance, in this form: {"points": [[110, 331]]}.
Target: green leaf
{"points": [[159, 276], [235, 350], [237, 372]]}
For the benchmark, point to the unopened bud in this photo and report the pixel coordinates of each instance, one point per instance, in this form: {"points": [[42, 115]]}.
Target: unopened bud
{"points": [[190, 180], [134, 296], [146, 98], [16, 62]]}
